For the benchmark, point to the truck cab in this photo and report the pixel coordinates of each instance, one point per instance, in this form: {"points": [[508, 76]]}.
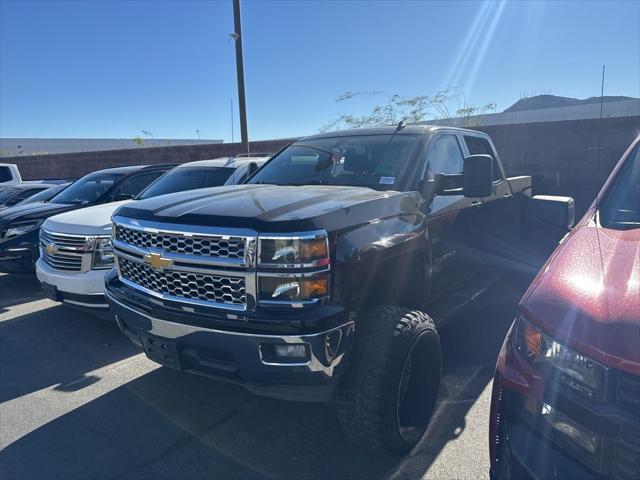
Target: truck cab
{"points": [[326, 276], [9, 174]]}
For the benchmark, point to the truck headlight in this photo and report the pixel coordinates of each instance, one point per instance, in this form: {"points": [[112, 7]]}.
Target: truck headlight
{"points": [[20, 229], [306, 249], [293, 289], [103, 253], [561, 363]]}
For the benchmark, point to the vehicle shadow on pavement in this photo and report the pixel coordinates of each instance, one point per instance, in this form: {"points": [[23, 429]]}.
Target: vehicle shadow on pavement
{"points": [[170, 425], [470, 347], [17, 289], [56, 345], [166, 424]]}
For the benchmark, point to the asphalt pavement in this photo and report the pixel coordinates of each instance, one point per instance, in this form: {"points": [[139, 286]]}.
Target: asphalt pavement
{"points": [[78, 401]]}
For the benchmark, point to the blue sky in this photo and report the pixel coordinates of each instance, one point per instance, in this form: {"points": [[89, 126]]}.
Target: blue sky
{"points": [[112, 69]]}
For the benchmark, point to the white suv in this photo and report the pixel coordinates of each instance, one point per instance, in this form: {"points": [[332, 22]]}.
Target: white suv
{"points": [[80, 240]]}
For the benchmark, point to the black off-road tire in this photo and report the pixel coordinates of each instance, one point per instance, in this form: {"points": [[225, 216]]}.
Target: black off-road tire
{"points": [[377, 385]]}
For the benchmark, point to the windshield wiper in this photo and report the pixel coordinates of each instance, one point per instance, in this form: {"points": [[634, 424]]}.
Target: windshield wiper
{"points": [[310, 182]]}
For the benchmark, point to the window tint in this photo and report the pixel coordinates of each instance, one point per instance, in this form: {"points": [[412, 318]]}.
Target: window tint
{"points": [[620, 208], [7, 194], [135, 184], [381, 162], [5, 174], [445, 156], [45, 195], [88, 189], [480, 146], [26, 193], [181, 179], [238, 176]]}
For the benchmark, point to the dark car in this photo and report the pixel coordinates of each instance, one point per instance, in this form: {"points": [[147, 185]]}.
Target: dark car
{"points": [[19, 225], [327, 276], [15, 194], [566, 393], [45, 195]]}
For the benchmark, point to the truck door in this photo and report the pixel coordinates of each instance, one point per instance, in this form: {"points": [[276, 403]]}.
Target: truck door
{"points": [[444, 155]]}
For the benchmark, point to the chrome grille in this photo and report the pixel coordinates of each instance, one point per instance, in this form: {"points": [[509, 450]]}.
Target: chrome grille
{"points": [[185, 285], [62, 240], [209, 246], [61, 261], [69, 251]]}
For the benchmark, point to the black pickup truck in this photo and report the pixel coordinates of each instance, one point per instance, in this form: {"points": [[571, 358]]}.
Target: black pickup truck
{"points": [[327, 275]]}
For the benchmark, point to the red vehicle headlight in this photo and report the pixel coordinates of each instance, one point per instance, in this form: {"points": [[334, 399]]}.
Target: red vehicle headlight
{"points": [[560, 363]]}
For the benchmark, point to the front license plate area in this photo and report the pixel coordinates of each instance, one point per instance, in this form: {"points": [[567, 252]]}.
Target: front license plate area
{"points": [[161, 351], [50, 291]]}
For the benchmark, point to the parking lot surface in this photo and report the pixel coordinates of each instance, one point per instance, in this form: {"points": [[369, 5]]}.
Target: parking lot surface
{"points": [[79, 401]]}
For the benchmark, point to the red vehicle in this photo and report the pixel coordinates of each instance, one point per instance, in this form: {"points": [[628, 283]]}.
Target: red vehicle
{"points": [[566, 393]]}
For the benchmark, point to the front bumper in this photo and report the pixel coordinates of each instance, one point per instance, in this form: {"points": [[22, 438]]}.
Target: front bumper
{"points": [[523, 445], [84, 289], [237, 355]]}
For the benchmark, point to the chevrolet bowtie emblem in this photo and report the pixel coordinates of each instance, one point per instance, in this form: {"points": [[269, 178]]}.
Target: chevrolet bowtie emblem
{"points": [[157, 261], [51, 248]]}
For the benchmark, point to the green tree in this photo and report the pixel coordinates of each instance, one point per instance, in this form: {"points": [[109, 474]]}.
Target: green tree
{"points": [[447, 103]]}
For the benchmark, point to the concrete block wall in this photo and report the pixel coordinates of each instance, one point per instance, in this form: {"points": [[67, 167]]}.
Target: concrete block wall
{"points": [[571, 157], [75, 165]]}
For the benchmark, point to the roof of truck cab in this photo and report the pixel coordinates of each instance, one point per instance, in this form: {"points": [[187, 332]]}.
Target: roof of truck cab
{"points": [[405, 130], [127, 169], [230, 162], [29, 186]]}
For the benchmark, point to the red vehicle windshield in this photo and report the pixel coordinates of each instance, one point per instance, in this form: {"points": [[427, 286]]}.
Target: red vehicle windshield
{"points": [[620, 208]]}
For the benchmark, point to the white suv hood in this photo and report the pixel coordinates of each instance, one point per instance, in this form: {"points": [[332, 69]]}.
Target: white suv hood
{"points": [[85, 221]]}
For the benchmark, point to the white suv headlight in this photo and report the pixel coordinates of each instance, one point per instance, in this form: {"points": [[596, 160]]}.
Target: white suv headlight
{"points": [[103, 253]]}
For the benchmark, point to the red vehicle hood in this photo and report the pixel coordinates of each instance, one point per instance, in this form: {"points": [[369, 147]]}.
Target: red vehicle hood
{"points": [[588, 295]]}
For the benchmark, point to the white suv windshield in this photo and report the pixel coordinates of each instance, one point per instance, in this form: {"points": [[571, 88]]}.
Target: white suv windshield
{"points": [[88, 189]]}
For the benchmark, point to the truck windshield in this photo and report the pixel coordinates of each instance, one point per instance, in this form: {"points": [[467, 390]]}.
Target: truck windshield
{"points": [[181, 179], [88, 189], [620, 208], [375, 161]]}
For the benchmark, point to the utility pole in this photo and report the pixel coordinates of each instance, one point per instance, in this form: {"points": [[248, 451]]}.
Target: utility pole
{"points": [[242, 107]]}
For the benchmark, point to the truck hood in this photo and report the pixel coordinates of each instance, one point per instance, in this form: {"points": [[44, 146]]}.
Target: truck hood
{"points": [[94, 220], [588, 295], [270, 208], [34, 211]]}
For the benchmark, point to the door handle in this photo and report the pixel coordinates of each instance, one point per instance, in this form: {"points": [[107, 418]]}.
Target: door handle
{"points": [[476, 203]]}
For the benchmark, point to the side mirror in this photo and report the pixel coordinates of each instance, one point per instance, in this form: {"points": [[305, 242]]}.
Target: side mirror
{"points": [[554, 211], [430, 188], [122, 196], [251, 169], [477, 176]]}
